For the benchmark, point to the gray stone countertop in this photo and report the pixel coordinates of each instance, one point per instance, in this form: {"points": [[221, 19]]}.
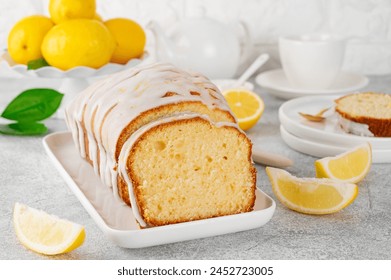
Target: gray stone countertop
{"points": [[360, 231]]}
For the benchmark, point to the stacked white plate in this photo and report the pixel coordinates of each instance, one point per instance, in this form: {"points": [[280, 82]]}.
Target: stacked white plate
{"points": [[321, 139]]}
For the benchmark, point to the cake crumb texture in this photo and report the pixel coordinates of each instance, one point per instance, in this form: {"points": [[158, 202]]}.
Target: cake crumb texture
{"points": [[189, 170]]}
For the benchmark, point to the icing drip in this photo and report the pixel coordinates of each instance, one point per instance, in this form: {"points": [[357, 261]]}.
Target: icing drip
{"points": [[354, 127]]}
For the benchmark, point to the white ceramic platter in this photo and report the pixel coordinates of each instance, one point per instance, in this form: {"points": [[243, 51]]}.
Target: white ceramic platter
{"points": [[328, 132], [276, 83], [116, 219], [318, 149]]}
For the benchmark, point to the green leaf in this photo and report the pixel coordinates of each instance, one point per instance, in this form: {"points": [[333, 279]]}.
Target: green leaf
{"points": [[36, 64], [23, 129], [33, 105]]}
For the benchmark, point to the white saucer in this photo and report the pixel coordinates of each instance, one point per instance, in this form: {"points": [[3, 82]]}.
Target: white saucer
{"points": [[328, 132], [317, 149], [275, 83]]}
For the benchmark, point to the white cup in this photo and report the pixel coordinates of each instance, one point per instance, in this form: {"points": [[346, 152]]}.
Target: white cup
{"points": [[311, 61]]}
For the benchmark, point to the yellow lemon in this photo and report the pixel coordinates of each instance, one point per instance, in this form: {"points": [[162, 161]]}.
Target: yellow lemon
{"points": [[25, 38], [130, 39], [311, 195], [62, 10], [351, 166], [44, 233], [78, 42], [97, 17], [246, 105]]}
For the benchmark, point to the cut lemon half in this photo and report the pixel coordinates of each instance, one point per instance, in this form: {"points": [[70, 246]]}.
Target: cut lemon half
{"points": [[351, 166], [44, 233], [246, 105], [311, 195]]}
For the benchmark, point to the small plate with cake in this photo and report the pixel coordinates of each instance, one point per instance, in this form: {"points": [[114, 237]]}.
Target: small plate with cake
{"points": [[319, 149], [355, 119]]}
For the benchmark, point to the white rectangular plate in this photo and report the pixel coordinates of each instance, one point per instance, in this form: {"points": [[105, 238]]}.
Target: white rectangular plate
{"points": [[116, 219]]}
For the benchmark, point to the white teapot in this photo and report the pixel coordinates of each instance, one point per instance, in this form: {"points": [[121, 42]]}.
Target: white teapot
{"points": [[203, 45]]}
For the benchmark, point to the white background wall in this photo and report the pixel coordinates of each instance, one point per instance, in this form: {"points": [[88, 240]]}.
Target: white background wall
{"points": [[366, 22]]}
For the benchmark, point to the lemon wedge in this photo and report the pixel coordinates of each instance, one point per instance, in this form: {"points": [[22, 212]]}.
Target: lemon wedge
{"points": [[351, 166], [246, 105], [311, 195], [44, 233]]}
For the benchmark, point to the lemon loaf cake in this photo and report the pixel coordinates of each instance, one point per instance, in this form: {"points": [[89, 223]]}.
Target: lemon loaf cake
{"points": [[167, 144], [365, 114]]}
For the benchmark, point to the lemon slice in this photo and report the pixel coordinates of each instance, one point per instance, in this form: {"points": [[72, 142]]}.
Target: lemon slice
{"points": [[351, 166], [44, 233], [246, 105], [311, 195]]}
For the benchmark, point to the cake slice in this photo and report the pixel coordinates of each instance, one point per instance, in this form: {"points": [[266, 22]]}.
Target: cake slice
{"points": [[365, 114], [187, 168]]}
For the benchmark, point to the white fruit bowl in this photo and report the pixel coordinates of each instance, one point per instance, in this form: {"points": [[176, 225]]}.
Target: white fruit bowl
{"points": [[74, 80], [80, 72]]}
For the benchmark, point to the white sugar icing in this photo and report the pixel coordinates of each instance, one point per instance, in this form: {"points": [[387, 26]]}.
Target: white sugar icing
{"points": [[109, 105], [356, 128]]}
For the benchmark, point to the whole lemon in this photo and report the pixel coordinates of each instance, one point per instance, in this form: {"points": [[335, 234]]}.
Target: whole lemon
{"points": [[62, 10], [78, 42], [130, 39], [25, 38], [98, 17]]}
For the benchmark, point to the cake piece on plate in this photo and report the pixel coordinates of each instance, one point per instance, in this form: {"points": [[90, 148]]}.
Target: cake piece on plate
{"points": [[365, 114]]}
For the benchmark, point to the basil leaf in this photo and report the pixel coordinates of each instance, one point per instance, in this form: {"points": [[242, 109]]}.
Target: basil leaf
{"points": [[33, 105], [23, 128], [36, 64]]}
